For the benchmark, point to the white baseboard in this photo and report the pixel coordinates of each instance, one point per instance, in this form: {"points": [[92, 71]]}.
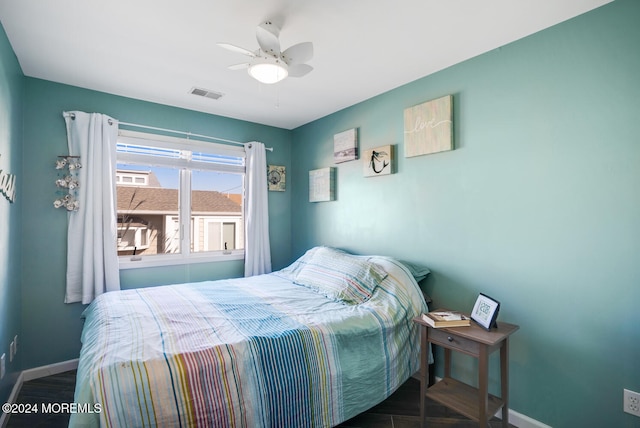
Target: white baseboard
{"points": [[35, 373], [49, 370], [523, 421], [4, 418]]}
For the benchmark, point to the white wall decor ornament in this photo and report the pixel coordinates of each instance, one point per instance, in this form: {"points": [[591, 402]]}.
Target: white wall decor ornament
{"points": [[67, 182]]}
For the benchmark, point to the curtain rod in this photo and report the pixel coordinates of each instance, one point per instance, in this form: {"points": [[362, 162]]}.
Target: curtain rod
{"points": [[188, 134]]}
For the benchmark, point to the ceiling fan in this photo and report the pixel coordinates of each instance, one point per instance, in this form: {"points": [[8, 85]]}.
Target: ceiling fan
{"points": [[268, 63]]}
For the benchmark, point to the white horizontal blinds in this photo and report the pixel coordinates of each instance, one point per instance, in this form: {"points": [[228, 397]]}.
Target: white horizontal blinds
{"points": [[216, 158], [181, 153]]}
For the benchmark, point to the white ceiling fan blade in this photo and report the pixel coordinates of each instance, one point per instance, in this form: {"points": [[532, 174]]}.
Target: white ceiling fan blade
{"points": [[237, 49], [267, 35], [298, 54], [299, 70], [239, 66]]}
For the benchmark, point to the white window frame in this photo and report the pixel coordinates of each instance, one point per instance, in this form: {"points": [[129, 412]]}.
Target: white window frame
{"points": [[185, 164]]}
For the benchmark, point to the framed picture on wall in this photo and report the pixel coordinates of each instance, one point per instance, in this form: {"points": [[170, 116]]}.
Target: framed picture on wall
{"points": [[428, 127], [485, 312], [276, 175], [322, 185], [345, 146], [378, 161]]}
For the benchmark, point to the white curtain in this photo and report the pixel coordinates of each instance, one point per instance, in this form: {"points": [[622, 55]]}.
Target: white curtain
{"points": [[92, 259], [257, 259]]}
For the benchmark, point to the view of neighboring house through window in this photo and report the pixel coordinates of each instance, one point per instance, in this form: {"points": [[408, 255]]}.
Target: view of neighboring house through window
{"points": [[178, 199]]}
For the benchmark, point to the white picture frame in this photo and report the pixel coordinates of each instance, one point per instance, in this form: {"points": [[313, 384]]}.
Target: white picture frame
{"points": [[485, 311]]}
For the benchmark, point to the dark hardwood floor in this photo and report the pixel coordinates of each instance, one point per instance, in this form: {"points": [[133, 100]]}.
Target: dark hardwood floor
{"points": [[401, 410], [46, 390]]}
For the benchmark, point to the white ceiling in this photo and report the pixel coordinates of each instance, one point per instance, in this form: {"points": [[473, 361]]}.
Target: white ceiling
{"points": [[157, 50]]}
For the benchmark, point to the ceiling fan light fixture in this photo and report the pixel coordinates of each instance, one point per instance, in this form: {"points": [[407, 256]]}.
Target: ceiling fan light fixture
{"points": [[268, 70]]}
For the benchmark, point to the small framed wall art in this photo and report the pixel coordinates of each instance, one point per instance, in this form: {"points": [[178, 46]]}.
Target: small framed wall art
{"points": [[485, 312], [322, 185], [276, 176], [345, 146], [428, 127], [378, 161]]}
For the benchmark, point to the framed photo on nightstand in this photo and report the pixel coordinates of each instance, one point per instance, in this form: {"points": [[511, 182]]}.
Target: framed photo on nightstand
{"points": [[485, 312]]}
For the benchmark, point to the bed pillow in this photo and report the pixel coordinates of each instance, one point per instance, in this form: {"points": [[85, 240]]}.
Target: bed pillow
{"points": [[418, 272], [340, 276], [292, 270]]}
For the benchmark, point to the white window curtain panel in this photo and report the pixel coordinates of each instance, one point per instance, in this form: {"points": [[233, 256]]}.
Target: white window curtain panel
{"points": [[92, 258], [257, 259]]}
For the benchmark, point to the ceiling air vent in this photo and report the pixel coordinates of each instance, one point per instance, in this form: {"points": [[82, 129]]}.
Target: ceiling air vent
{"points": [[206, 93]]}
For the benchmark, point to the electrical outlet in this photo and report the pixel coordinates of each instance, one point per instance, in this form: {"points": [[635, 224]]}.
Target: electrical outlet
{"points": [[632, 402], [2, 358]]}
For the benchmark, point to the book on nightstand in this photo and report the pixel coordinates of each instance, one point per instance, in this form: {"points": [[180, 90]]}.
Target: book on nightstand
{"points": [[445, 318]]}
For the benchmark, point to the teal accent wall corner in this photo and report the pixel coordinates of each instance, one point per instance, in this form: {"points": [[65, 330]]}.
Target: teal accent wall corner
{"points": [[47, 322], [537, 206], [11, 90]]}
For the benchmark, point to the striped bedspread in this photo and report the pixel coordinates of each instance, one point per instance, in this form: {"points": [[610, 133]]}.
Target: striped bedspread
{"points": [[255, 352]]}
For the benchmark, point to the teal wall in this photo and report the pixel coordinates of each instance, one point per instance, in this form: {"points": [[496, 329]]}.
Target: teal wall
{"points": [[538, 206], [11, 88], [51, 329]]}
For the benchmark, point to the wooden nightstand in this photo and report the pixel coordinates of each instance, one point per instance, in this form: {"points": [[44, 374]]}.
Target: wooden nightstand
{"points": [[474, 403]]}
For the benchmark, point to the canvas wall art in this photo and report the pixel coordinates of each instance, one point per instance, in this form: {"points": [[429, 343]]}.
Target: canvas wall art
{"points": [[378, 161], [322, 185], [276, 177], [345, 146], [428, 127]]}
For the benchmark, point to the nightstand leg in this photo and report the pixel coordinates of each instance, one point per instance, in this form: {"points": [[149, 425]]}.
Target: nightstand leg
{"points": [[483, 386], [424, 372], [504, 381], [447, 362]]}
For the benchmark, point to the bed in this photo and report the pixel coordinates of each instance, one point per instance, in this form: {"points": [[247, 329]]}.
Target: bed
{"points": [[311, 345]]}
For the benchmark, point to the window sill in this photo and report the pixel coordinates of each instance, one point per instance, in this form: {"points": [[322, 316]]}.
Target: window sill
{"points": [[134, 262]]}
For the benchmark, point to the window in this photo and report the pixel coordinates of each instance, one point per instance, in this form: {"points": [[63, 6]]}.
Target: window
{"points": [[178, 201]]}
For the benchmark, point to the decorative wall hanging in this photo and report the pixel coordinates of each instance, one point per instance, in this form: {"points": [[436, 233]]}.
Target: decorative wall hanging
{"points": [[345, 146], [68, 170], [378, 161], [322, 185], [276, 175], [8, 185], [428, 127]]}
